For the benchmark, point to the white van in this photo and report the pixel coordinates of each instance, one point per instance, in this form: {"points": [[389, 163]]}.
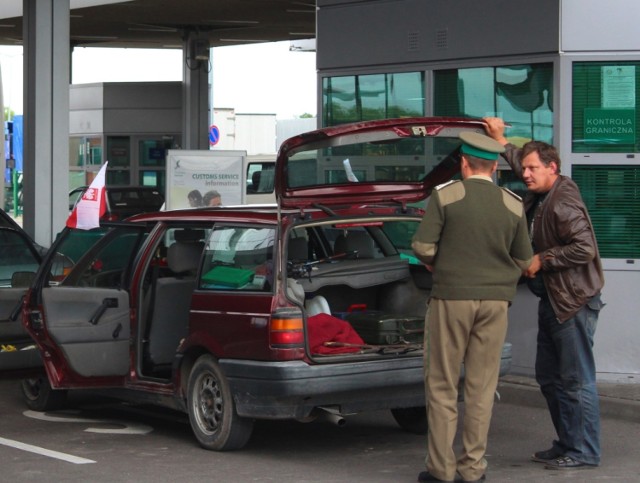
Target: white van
{"points": [[218, 178]]}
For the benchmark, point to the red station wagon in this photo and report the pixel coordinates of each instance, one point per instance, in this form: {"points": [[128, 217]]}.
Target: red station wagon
{"points": [[312, 308]]}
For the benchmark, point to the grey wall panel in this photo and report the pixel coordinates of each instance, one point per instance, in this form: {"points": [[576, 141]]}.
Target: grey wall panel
{"points": [[86, 121], [594, 25], [142, 121], [86, 96], [143, 95], [384, 32]]}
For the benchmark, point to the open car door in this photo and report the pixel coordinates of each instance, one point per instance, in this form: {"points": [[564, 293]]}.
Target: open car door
{"points": [[19, 262], [82, 321]]}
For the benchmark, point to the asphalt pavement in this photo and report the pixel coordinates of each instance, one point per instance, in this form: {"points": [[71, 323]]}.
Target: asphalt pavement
{"points": [[100, 440]]}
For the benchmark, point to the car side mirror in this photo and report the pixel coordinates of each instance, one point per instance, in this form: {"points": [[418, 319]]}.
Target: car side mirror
{"points": [[22, 279]]}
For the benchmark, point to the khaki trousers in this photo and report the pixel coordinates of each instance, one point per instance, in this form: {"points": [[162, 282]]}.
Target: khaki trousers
{"points": [[472, 331]]}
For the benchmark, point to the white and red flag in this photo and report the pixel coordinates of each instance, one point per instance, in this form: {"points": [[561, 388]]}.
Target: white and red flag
{"points": [[93, 204]]}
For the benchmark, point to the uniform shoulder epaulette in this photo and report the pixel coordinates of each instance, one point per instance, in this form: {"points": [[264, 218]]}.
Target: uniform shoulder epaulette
{"points": [[511, 193], [448, 183]]}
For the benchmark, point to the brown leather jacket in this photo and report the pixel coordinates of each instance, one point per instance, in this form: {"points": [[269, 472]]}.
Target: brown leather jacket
{"points": [[566, 242]]}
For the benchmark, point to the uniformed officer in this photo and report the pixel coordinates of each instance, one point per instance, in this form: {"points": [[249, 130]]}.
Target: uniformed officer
{"points": [[473, 237]]}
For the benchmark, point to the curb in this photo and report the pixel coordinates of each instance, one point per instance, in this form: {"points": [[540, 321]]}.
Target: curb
{"points": [[528, 395]]}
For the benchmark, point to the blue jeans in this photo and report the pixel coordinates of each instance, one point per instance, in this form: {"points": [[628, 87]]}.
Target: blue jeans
{"points": [[566, 372]]}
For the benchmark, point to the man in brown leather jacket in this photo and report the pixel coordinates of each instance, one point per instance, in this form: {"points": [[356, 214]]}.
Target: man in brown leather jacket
{"points": [[566, 274]]}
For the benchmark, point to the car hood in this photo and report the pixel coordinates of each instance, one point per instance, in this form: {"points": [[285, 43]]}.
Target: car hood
{"points": [[390, 160]]}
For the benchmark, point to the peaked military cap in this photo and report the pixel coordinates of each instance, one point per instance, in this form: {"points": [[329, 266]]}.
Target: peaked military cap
{"points": [[480, 146]]}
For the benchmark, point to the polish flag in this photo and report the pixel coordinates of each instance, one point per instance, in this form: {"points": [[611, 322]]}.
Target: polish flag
{"points": [[93, 204]]}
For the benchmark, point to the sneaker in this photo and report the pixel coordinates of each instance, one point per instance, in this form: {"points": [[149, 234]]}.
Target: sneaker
{"points": [[567, 463], [546, 456], [425, 476]]}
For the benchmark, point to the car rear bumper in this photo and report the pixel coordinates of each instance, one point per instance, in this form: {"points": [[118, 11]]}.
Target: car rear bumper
{"points": [[294, 389]]}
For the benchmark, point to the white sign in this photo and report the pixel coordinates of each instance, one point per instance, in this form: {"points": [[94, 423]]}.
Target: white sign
{"points": [[619, 86], [204, 178]]}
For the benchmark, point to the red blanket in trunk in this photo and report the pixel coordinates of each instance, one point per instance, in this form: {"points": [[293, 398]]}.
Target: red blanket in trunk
{"points": [[324, 328]]}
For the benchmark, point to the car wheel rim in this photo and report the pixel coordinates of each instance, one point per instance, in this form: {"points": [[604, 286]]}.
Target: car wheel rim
{"points": [[209, 404], [32, 388]]}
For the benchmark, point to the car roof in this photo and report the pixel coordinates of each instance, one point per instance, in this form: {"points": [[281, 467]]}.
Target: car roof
{"points": [[271, 214], [258, 213]]}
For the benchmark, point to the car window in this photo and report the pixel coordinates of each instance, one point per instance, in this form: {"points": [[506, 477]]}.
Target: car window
{"points": [[377, 240], [260, 177], [135, 200], [100, 257], [238, 258], [400, 233], [379, 158], [353, 242], [16, 257]]}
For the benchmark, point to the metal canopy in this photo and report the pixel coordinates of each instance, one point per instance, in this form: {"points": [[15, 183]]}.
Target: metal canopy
{"points": [[161, 24]]}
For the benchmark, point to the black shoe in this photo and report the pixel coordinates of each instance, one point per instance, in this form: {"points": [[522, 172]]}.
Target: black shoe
{"points": [[546, 456], [567, 463], [479, 480], [425, 476]]}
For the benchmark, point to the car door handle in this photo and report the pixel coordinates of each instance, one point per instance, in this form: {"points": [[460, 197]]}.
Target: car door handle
{"points": [[108, 303]]}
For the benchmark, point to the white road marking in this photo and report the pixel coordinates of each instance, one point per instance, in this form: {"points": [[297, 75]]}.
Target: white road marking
{"points": [[45, 452], [129, 428]]}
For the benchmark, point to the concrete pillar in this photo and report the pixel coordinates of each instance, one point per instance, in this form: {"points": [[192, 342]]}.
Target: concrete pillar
{"points": [[46, 117], [3, 162], [195, 92]]}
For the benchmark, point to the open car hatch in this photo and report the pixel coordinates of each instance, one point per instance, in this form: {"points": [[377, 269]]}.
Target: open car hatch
{"points": [[391, 160]]}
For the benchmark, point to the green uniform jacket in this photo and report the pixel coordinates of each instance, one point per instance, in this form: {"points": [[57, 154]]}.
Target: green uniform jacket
{"points": [[474, 233]]}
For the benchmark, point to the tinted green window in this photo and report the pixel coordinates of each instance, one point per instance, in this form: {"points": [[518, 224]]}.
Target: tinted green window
{"points": [[612, 195], [118, 151], [605, 117], [16, 256], [374, 96], [520, 94]]}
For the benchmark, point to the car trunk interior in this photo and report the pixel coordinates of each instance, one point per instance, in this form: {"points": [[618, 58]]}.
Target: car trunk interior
{"points": [[382, 297]]}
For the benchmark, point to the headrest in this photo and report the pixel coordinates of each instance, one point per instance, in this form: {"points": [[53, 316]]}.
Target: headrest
{"points": [[358, 241], [298, 249], [184, 257], [188, 235]]}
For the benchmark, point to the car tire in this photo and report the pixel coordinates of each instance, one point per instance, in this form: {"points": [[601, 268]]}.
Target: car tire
{"points": [[40, 396], [212, 412], [413, 420]]}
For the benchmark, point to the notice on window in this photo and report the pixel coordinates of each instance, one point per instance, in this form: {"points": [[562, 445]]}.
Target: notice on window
{"points": [[204, 178], [619, 86]]}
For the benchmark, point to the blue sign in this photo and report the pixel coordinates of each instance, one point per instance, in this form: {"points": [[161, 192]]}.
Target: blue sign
{"points": [[214, 135]]}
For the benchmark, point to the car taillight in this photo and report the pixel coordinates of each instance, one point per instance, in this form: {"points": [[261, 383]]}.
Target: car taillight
{"points": [[286, 331]]}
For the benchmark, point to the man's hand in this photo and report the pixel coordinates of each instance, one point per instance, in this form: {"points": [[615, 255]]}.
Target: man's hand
{"points": [[494, 126], [536, 265]]}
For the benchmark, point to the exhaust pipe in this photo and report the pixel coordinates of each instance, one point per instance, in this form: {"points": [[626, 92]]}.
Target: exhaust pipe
{"points": [[331, 417], [328, 415]]}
